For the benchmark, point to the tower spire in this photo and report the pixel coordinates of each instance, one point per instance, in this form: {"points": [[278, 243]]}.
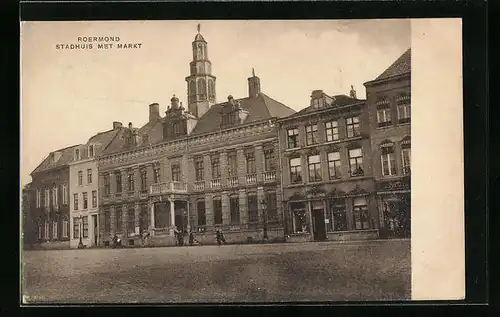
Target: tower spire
{"points": [[253, 72], [199, 28]]}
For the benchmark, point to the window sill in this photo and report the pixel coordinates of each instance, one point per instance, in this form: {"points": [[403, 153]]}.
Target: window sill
{"points": [[292, 149]]}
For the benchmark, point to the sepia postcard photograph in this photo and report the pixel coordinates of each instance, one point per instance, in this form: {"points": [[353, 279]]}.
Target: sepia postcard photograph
{"points": [[241, 161]]}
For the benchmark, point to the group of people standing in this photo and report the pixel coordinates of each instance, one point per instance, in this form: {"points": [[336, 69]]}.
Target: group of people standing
{"points": [[191, 239]]}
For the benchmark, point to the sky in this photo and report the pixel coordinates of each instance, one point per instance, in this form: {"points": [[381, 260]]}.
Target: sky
{"points": [[67, 96]]}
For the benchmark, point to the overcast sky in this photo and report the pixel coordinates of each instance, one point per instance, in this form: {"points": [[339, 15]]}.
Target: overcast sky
{"points": [[69, 95]]}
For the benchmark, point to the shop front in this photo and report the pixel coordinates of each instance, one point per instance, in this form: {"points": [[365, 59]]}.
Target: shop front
{"points": [[331, 215], [394, 204]]}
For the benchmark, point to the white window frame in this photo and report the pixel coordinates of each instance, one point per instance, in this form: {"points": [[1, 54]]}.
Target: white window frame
{"points": [[91, 150], [77, 154], [38, 198], [384, 115], [336, 159], [406, 111], [89, 176], [65, 229], [54, 229], [65, 194], [47, 198], [46, 231], [94, 193], [77, 205], [296, 133], [332, 125], [80, 178], [388, 157]]}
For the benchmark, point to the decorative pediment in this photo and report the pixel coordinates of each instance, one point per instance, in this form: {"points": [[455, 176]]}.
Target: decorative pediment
{"points": [[402, 184], [353, 145], [315, 191], [358, 190], [335, 193], [406, 141], [293, 154], [297, 196], [312, 151], [333, 148]]}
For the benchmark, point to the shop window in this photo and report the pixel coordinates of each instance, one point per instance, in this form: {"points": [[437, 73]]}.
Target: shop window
{"points": [[337, 219]]}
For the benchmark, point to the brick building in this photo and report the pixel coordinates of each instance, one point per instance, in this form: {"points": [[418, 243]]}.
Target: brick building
{"points": [[389, 105], [327, 172], [211, 166], [50, 187], [83, 188]]}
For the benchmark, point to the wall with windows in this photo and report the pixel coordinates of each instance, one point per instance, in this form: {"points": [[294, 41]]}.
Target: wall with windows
{"points": [[84, 201], [50, 207], [389, 106]]}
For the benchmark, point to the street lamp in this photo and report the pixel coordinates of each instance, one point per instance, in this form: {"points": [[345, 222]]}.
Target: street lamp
{"points": [[80, 244], [264, 212]]}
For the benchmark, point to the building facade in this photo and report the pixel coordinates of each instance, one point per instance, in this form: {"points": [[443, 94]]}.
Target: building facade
{"points": [[327, 173], [50, 211], [389, 107], [213, 166], [83, 187], [29, 227]]}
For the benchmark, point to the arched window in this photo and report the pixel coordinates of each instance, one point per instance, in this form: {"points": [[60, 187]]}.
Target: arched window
{"points": [[211, 88], [202, 88], [192, 90]]}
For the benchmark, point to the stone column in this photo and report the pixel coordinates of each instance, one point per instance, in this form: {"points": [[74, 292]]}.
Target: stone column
{"points": [[137, 212], [113, 220], [259, 163], [243, 208], [321, 132], [226, 213], [209, 212], [223, 172], [125, 220], [152, 216], [260, 197], [344, 163], [172, 215], [188, 209]]}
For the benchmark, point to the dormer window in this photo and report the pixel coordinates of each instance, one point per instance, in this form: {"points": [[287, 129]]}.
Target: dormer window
{"points": [[77, 154], [91, 151]]}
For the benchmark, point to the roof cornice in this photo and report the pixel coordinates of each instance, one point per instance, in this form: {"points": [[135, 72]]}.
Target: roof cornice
{"points": [[383, 80], [326, 109]]}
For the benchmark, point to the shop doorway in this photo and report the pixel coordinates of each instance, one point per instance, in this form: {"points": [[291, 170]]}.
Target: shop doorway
{"points": [[318, 217]]}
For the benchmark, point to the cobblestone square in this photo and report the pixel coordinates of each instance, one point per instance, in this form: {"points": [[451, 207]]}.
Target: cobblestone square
{"points": [[329, 271]]}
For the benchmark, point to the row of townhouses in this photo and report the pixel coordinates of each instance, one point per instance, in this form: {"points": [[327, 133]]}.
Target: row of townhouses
{"points": [[252, 167]]}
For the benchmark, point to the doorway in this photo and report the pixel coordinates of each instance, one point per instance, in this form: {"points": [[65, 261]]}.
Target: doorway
{"points": [[96, 229], [319, 232]]}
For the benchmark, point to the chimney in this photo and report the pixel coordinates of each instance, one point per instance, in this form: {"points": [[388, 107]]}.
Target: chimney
{"points": [[352, 93], [154, 112], [117, 125], [230, 100], [253, 85], [130, 125]]}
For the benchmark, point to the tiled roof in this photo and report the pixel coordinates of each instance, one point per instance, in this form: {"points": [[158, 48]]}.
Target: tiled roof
{"points": [[260, 107], [401, 66], [64, 159], [117, 143], [338, 101]]}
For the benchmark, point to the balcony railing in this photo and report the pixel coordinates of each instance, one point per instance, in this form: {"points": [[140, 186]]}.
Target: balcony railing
{"points": [[199, 185], [168, 187], [232, 181], [270, 176], [215, 183], [251, 178]]}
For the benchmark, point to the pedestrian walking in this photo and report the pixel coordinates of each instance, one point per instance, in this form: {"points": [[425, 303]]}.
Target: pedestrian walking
{"points": [[220, 238]]}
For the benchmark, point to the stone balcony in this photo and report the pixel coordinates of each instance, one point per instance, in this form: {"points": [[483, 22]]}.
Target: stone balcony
{"points": [[168, 188], [215, 183], [232, 181], [199, 185], [269, 176], [251, 178]]}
